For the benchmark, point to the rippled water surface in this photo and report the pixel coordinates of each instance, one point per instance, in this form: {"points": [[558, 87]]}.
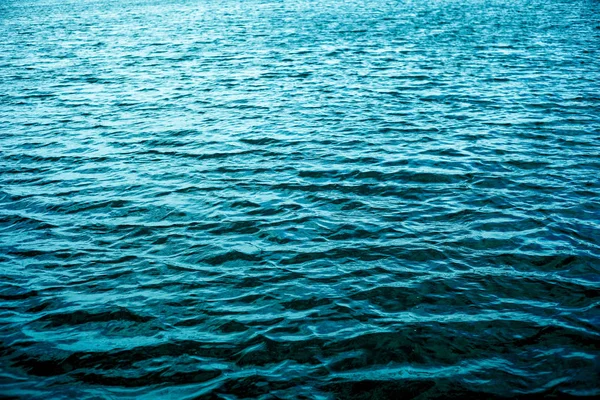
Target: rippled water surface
{"points": [[299, 199]]}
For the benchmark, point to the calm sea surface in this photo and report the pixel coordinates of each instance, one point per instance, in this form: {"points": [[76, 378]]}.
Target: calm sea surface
{"points": [[299, 199]]}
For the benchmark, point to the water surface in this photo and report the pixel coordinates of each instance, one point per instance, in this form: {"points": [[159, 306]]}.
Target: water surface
{"points": [[299, 199]]}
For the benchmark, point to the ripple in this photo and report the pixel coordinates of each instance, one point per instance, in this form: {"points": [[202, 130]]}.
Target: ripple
{"points": [[334, 199]]}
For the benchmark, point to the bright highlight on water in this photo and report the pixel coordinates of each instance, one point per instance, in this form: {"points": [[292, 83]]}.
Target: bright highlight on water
{"points": [[299, 199]]}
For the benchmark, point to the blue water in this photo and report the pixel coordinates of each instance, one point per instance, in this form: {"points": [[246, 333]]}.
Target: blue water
{"points": [[299, 199]]}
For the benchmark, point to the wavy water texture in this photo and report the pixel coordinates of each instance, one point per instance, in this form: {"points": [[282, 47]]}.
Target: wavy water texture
{"points": [[299, 199]]}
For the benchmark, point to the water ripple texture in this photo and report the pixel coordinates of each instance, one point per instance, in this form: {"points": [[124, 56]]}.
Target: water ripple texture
{"points": [[327, 199]]}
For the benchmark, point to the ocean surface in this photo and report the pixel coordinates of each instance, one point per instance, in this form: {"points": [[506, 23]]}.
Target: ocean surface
{"points": [[299, 199]]}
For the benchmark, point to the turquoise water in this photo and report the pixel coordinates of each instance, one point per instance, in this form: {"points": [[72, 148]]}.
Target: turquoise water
{"points": [[299, 199]]}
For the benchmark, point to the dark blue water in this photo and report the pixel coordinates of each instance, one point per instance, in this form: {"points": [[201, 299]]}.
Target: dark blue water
{"points": [[299, 199]]}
